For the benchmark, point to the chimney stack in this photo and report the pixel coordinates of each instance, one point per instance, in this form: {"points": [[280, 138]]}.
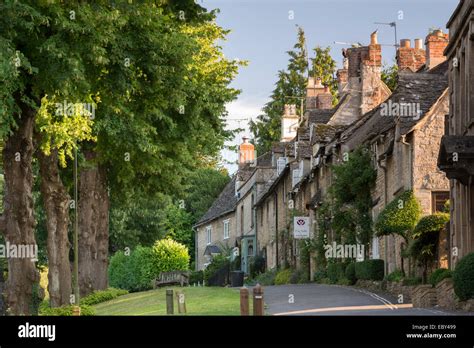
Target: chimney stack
{"points": [[436, 43], [289, 123], [410, 58], [246, 152], [317, 95]]}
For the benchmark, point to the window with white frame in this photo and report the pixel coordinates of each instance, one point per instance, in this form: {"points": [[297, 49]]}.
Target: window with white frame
{"points": [[226, 229], [208, 234]]}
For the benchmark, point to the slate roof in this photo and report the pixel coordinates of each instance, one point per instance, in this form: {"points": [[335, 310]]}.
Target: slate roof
{"points": [[320, 116], [225, 203], [422, 88]]}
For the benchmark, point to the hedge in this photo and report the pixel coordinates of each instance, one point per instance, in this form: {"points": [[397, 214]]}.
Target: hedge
{"points": [[45, 310], [100, 296], [370, 269], [283, 277], [438, 275], [336, 271], [463, 277], [351, 273]]}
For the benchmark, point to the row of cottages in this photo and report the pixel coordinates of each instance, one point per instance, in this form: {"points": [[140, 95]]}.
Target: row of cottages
{"points": [[255, 210], [456, 156]]}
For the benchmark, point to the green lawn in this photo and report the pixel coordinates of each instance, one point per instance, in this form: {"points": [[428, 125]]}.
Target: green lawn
{"points": [[199, 301]]}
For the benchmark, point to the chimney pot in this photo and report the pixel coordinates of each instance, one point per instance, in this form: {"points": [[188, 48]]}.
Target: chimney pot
{"points": [[405, 43], [418, 44], [373, 38]]}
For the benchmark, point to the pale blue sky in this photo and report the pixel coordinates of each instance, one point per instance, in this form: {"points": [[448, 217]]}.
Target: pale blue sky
{"points": [[262, 31]]}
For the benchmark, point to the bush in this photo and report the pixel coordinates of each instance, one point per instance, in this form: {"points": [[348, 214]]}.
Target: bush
{"points": [[370, 270], [257, 266], [463, 277], [412, 281], [320, 275], [220, 265], [351, 273], [438, 275], [45, 310], [137, 271], [102, 296], [395, 276], [196, 277], [283, 277], [344, 281], [267, 278], [336, 271], [399, 216], [169, 256], [299, 277]]}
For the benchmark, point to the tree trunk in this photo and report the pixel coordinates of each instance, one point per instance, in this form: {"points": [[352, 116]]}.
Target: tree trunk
{"points": [[93, 227], [19, 214], [56, 206]]}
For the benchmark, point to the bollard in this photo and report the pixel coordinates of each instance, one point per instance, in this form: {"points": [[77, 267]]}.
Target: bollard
{"points": [[169, 302], [76, 311], [244, 301], [181, 302], [258, 300]]}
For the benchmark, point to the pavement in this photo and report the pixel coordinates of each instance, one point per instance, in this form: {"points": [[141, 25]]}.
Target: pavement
{"points": [[321, 299]]}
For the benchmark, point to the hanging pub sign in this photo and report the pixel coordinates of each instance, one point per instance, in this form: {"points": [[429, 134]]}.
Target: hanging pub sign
{"points": [[301, 227]]}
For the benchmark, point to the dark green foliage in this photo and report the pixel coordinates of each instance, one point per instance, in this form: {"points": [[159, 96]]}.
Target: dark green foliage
{"points": [[217, 266], [351, 273], [439, 275], [267, 278], [370, 270], [299, 277], [395, 276], [400, 216], [100, 296], [257, 266], [336, 271], [324, 67], [320, 275], [463, 278], [430, 223], [196, 277]]}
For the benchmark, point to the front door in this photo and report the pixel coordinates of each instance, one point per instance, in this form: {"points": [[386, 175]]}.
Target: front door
{"points": [[248, 252]]}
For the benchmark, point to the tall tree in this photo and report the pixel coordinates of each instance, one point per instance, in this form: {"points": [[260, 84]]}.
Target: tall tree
{"points": [[289, 89], [324, 67]]}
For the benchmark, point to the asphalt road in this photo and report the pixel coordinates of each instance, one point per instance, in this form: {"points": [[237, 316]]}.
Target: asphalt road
{"points": [[320, 299]]}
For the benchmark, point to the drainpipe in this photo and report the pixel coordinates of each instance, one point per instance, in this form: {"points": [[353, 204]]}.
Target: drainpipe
{"points": [[384, 168], [276, 227]]}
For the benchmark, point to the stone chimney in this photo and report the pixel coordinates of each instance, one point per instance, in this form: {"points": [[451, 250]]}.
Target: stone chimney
{"points": [[411, 58], [246, 152], [317, 95], [436, 43], [289, 123]]}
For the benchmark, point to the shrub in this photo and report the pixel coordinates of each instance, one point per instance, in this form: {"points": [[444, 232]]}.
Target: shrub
{"points": [[336, 271], [351, 273], [102, 296], [119, 276], [399, 216], [463, 277], [169, 255], [45, 310], [412, 281], [370, 270], [320, 275], [196, 277], [395, 276], [219, 265], [141, 268], [283, 277], [299, 277], [257, 266], [267, 278], [343, 281], [438, 275]]}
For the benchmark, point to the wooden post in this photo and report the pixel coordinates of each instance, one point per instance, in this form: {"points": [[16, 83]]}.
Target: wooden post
{"points": [[181, 302], [169, 301], [76, 311], [258, 300], [244, 301]]}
